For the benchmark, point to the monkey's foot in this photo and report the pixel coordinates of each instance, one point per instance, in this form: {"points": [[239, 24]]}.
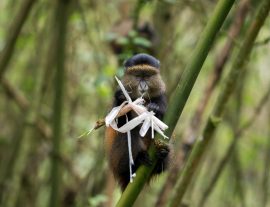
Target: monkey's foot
{"points": [[163, 149], [162, 152]]}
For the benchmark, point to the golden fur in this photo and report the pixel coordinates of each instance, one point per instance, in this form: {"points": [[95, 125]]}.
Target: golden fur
{"points": [[151, 76]]}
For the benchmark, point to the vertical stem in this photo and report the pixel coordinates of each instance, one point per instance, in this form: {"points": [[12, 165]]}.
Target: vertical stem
{"points": [[237, 170], [192, 70], [13, 33], [220, 64], [61, 19], [196, 120]]}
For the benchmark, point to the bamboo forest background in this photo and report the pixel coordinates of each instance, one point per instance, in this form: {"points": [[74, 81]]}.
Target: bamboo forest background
{"points": [[58, 60]]}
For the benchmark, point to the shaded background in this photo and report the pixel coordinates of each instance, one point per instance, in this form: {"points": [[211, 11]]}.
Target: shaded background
{"points": [[100, 35]]}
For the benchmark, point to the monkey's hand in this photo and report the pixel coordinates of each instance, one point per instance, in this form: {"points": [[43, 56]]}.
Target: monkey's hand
{"points": [[163, 149], [153, 107]]}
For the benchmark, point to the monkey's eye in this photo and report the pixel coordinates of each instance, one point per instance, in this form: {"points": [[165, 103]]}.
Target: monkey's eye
{"points": [[137, 76], [147, 75]]}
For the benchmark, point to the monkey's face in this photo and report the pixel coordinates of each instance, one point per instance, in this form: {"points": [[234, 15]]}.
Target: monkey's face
{"points": [[145, 83]]}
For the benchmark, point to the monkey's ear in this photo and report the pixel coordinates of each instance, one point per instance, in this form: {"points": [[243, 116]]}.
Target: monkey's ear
{"points": [[125, 63], [158, 62]]}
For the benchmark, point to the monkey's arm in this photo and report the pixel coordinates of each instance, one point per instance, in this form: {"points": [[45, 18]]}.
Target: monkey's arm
{"points": [[157, 104]]}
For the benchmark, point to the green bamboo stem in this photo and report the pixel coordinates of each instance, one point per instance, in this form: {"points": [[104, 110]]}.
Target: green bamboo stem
{"points": [[181, 95], [60, 27], [237, 170], [229, 86], [13, 33], [192, 70], [192, 130]]}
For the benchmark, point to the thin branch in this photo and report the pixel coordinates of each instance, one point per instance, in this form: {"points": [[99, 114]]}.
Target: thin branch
{"points": [[262, 42], [15, 94], [24, 105], [237, 170], [256, 112]]}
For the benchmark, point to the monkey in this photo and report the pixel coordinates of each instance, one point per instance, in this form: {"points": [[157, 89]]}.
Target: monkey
{"points": [[141, 78]]}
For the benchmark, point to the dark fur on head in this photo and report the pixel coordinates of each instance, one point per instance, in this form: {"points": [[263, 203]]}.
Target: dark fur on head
{"points": [[141, 59]]}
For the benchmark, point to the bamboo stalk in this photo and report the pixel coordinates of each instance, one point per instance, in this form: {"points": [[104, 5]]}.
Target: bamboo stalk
{"points": [[13, 33], [181, 95], [192, 70], [220, 64], [196, 120], [229, 85], [60, 27], [238, 171]]}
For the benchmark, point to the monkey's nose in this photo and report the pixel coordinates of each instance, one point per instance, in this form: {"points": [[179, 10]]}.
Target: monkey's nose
{"points": [[143, 87]]}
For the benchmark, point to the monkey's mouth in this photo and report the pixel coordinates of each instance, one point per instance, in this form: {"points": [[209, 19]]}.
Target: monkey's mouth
{"points": [[143, 87]]}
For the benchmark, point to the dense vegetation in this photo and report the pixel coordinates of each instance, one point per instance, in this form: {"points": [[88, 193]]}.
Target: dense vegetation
{"points": [[58, 60]]}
